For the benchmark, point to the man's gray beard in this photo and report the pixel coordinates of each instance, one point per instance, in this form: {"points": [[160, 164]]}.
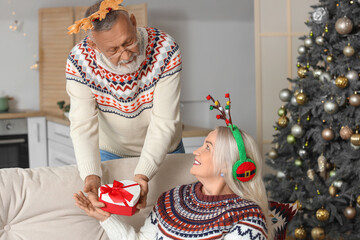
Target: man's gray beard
{"points": [[121, 68]]}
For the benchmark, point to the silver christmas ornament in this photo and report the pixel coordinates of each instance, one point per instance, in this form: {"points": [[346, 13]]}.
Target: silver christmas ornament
{"points": [[280, 174], [352, 75], [320, 15], [348, 51], [293, 101], [338, 183], [325, 77], [303, 153], [343, 25], [297, 130], [331, 107], [317, 73], [320, 40], [285, 95], [354, 100], [302, 49], [308, 42]]}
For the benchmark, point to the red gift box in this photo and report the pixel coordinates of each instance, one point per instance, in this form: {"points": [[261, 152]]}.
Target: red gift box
{"points": [[120, 198]]}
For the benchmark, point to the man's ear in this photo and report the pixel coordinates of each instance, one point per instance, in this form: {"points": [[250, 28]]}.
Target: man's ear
{"points": [[133, 20]]}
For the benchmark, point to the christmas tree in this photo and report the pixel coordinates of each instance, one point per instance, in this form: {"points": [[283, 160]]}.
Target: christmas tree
{"points": [[317, 142]]}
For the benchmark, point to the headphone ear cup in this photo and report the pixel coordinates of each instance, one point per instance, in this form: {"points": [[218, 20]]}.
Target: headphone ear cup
{"points": [[244, 170]]}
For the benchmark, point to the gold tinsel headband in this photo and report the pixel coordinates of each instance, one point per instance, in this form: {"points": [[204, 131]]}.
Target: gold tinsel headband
{"points": [[86, 23]]}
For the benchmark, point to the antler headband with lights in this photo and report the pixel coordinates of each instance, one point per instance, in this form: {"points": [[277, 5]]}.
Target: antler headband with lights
{"points": [[244, 169], [87, 23]]}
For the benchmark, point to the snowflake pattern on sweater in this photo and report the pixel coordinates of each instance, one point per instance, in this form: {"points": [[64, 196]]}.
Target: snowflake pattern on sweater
{"points": [[185, 213], [129, 94]]}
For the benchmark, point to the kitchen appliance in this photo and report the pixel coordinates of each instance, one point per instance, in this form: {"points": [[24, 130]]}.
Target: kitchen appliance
{"points": [[14, 143]]}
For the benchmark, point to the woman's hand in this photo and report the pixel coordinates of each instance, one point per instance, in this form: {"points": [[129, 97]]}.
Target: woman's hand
{"points": [[84, 203]]}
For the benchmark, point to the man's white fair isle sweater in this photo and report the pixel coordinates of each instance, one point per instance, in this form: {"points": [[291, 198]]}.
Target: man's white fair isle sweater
{"points": [[135, 114]]}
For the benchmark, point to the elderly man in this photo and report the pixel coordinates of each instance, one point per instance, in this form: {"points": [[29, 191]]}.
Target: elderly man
{"points": [[124, 88]]}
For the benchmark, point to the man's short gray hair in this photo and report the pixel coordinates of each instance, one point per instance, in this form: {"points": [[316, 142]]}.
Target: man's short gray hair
{"points": [[108, 21]]}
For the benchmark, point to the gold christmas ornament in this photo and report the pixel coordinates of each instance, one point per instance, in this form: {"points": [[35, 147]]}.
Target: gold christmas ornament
{"points": [[358, 200], [318, 233], [322, 214], [300, 232], [345, 132], [311, 174], [332, 190], [355, 139], [302, 72], [321, 163], [273, 154], [283, 121], [341, 82], [301, 98], [348, 51], [350, 212], [329, 58]]}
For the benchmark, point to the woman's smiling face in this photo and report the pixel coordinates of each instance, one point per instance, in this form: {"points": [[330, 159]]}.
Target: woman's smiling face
{"points": [[203, 163]]}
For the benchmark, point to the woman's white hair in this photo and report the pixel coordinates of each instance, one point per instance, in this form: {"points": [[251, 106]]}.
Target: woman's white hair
{"points": [[226, 153]]}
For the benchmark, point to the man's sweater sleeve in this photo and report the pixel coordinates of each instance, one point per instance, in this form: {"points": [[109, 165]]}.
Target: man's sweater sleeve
{"points": [[165, 117], [84, 125], [119, 230]]}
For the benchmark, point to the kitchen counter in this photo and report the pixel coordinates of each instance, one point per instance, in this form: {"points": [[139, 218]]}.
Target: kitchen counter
{"points": [[24, 114], [188, 131]]}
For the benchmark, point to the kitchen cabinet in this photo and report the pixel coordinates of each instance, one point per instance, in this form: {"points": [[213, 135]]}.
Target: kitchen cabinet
{"points": [[37, 142], [60, 147]]}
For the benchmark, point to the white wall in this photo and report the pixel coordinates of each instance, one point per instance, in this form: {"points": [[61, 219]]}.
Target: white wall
{"points": [[216, 39]]}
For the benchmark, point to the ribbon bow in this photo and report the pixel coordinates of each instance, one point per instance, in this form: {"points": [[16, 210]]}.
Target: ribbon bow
{"points": [[117, 193]]}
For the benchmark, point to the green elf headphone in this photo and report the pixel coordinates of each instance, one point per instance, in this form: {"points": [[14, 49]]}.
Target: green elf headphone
{"points": [[244, 169]]}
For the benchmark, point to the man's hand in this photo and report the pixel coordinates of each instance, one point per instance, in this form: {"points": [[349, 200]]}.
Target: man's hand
{"points": [[92, 184], [142, 180], [84, 203]]}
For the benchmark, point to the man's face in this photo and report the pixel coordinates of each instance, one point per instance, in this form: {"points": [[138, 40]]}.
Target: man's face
{"points": [[119, 44]]}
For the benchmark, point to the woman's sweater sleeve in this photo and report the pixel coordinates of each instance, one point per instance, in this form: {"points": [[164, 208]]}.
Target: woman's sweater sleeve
{"points": [[116, 229]]}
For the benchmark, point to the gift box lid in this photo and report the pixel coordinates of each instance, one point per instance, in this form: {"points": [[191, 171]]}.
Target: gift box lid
{"points": [[122, 193]]}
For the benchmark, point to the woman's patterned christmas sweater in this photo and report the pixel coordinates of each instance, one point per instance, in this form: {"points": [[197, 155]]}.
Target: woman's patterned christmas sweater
{"points": [[186, 213]]}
